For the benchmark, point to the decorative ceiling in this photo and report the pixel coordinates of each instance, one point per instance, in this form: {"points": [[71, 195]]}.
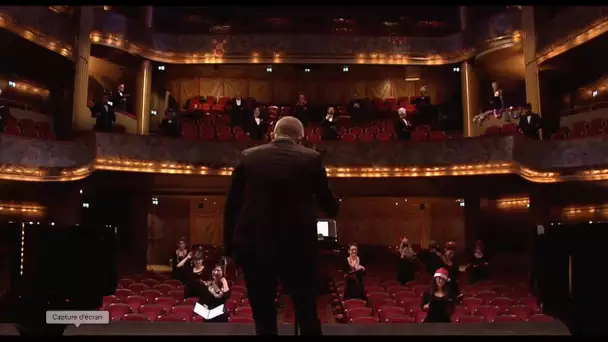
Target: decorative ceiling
{"points": [[354, 20]]}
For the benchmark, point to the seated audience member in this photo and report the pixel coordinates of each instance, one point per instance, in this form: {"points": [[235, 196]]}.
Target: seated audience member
{"points": [[479, 265], [238, 111], [170, 125], [530, 123], [354, 109], [214, 293], [403, 126], [438, 303], [329, 126], [257, 127], [119, 99], [353, 273], [406, 262], [104, 115], [194, 275], [180, 254], [301, 110]]}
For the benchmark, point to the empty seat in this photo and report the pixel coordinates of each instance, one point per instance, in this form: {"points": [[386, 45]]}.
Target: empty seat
{"points": [[241, 319], [358, 312], [540, 318], [107, 300], [125, 282], [118, 310], [366, 137], [135, 317], [353, 303], [384, 136], [244, 311], [135, 302], [521, 311], [138, 287], [185, 311], [470, 319], [472, 302], [163, 288], [150, 282], [501, 302], [349, 137], [170, 318], [400, 319], [506, 318], [364, 320], [487, 311], [150, 294], [486, 295], [386, 312], [121, 294], [152, 310]]}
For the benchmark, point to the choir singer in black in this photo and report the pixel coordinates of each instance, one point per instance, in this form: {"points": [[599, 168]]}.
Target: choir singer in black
{"points": [[403, 126], [257, 126], [104, 115], [270, 222]]}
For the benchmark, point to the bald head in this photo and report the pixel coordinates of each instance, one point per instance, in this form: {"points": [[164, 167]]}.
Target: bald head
{"points": [[290, 128]]}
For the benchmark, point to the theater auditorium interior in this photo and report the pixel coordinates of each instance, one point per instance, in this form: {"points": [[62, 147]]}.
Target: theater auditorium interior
{"points": [[467, 137]]}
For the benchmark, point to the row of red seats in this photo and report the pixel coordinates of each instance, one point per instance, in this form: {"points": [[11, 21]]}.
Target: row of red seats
{"points": [[581, 129], [27, 128], [211, 104]]}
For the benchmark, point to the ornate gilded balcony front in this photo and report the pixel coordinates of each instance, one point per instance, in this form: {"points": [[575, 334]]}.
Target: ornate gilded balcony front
{"points": [[537, 161]]}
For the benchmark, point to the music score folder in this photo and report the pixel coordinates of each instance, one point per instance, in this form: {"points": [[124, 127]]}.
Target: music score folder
{"points": [[207, 314]]}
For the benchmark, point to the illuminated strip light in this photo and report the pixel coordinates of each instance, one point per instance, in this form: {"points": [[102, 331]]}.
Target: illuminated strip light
{"points": [[22, 259], [18, 209], [596, 30], [516, 202]]}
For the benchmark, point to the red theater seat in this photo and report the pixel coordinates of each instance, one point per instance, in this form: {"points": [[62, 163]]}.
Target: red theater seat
{"points": [[163, 288], [135, 302], [241, 319], [486, 295], [366, 137], [12, 130], [472, 303], [138, 287], [521, 311], [437, 135], [177, 294], [372, 130], [244, 311], [470, 319], [172, 282], [384, 136], [487, 311], [386, 312], [118, 310], [152, 310], [151, 294], [501, 302], [107, 300], [400, 319], [121, 294], [419, 136], [353, 303], [540, 318], [364, 320], [349, 137], [313, 137], [506, 318], [150, 282], [353, 313], [509, 129], [135, 317], [170, 318], [184, 311]]}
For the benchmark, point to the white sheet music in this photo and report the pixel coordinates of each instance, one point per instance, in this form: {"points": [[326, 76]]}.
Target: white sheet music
{"points": [[204, 312]]}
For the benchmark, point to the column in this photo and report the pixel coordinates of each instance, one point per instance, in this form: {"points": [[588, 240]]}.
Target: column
{"points": [[531, 66], [81, 115], [470, 103], [472, 208], [143, 85], [462, 12]]}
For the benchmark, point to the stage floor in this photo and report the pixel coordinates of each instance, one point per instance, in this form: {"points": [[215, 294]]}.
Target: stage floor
{"points": [[162, 328]]}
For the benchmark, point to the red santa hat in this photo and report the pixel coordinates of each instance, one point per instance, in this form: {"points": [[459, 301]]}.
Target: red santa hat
{"points": [[442, 273]]}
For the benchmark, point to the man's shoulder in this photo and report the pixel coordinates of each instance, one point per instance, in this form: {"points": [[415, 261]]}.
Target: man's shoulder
{"points": [[271, 148]]}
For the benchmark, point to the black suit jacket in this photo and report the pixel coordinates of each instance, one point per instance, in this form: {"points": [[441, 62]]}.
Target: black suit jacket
{"points": [[271, 205], [403, 131], [530, 129], [104, 116], [257, 132], [329, 129]]}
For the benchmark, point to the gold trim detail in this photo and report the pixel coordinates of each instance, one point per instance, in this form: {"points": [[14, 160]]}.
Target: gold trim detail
{"points": [[120, 165]]}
